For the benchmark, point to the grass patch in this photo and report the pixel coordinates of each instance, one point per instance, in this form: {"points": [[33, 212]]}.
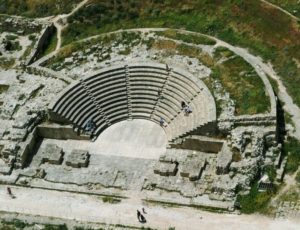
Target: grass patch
{"points": [[3, 88], [37, 8], [292, 195], [291, 6], [236, 156], [291, 148], [243, 84], [55, 227], [126, 51], [11, 37], [274, 84], [211, 86], [110, 199], [51, 46], [222, 52], [6, 63], [128, 39], [271, 172], [16, 224], [255, 201], [188, 38], [298, 177]]}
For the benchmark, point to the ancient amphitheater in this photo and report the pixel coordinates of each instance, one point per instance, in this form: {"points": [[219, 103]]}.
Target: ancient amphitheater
{"points": [[144, 145]]}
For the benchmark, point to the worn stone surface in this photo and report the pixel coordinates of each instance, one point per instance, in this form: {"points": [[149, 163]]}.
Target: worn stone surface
{"points": [[78, 158], [52, 154]]}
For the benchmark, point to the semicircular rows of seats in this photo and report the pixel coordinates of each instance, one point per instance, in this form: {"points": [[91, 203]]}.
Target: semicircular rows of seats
{"points": [[138, 91]]}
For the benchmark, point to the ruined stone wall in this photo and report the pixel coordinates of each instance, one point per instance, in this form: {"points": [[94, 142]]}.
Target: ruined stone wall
{"points": [[199, 143], [54, 131], [43, 40]]}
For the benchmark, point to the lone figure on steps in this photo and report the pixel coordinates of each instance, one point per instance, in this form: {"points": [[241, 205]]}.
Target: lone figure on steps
{"points": [[162, 122]]}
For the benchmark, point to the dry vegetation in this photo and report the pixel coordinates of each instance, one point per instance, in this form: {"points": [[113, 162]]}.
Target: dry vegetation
{"points": [[36, 8]]}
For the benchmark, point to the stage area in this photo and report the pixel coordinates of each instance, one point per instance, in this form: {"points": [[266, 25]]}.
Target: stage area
{"points": [[135, 139]]}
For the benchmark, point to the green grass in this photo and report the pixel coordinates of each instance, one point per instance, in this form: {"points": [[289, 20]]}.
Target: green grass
{"points": [[291, 148], [271, 172], [7, 27], [36, 8], [243, 84], [255, 201], [110, 199], [11, 37], [291, 6], [55, 227], [274, 85], [15, 224], [51, 45], [298, 177], [211, 86], [292, 195], [6, 63], [222, 52], [128, 39], [3, 88]]}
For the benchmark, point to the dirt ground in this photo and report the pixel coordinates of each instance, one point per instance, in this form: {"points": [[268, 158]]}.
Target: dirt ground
{"points": [[89, 208]]}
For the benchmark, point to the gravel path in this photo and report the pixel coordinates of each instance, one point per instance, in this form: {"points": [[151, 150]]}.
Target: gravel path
{"points": [[63, 18], [91, 208], [281, 9]]}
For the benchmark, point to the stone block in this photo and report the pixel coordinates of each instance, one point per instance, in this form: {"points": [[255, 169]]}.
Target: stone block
{"points": [[5, 169], [165, 169], [223, 160], [78, 158], [52, 154], [193, 168]]}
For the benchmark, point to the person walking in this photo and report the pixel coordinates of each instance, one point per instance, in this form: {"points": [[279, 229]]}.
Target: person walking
{"points": [[143, 219], [139, 215], [9, 191]]}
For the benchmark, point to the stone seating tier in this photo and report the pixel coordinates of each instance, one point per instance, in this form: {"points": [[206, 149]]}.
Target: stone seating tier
{"points": [[138, 91]]}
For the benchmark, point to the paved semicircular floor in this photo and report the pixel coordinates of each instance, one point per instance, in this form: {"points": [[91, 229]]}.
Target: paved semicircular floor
{"points": [[135, 139]]}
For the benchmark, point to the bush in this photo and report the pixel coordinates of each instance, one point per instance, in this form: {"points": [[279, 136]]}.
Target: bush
{"points": [[298, 177], [255, 201], [56, 227], [291, 148]]}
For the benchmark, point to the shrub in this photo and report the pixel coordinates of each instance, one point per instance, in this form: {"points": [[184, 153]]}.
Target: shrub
{"points": [[255, 201], [291, 148]]}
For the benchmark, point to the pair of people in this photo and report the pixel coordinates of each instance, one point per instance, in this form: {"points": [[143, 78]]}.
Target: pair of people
{"points": [[187, 110], [140, 216], [90, 127]]}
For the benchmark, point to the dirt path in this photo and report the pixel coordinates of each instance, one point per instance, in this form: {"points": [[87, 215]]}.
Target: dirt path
{"points": [[60, 22], [290, 181], [281, 9], [91, 208]]}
